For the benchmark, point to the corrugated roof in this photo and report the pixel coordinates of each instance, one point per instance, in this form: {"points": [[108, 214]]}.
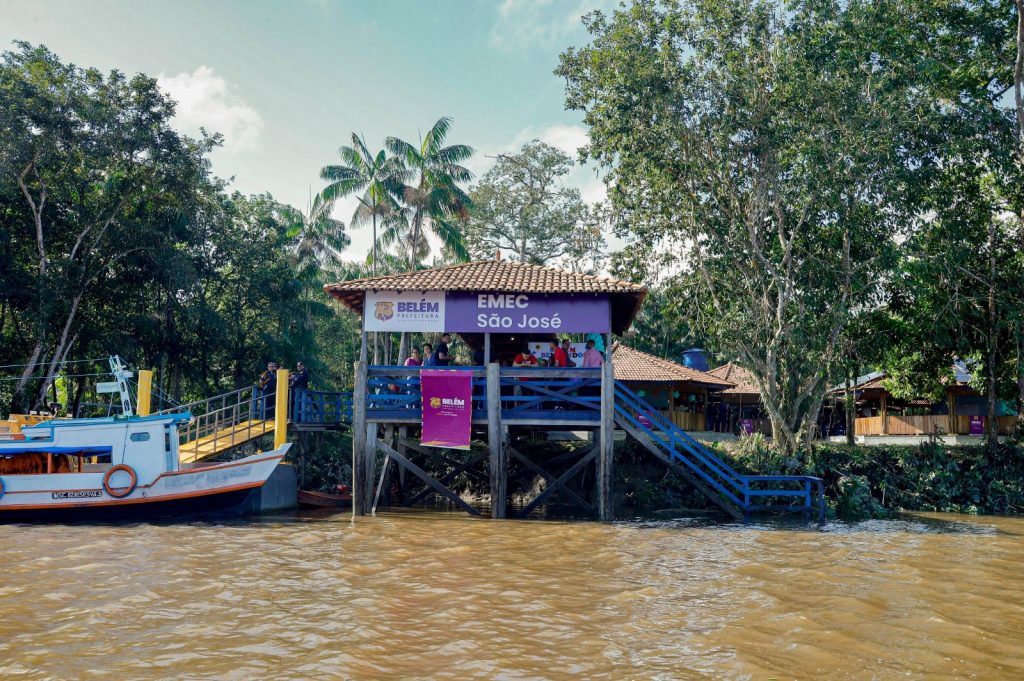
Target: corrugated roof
{"points": [[873, 380], [631, 364], [499, 275], [742, 380]]}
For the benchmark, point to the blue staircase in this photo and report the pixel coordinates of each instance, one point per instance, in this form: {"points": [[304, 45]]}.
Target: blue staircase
{"points": [[739, 495]]}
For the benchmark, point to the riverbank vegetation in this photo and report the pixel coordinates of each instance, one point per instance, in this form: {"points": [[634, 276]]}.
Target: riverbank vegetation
{"points": [[822, 188], [812, 190]]}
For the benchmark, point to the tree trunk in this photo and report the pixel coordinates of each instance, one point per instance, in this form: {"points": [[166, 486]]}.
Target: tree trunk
{"points": [[1020, 378], [993, 426], [850, 407], [1018, 95]]}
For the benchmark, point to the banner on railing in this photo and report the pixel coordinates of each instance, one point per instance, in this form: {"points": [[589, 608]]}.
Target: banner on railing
{"points": [[447, 408]]}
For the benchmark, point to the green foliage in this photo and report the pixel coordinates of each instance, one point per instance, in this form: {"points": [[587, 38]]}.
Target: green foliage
{"points": [[522, 207], [876, 481], [115, 239]]}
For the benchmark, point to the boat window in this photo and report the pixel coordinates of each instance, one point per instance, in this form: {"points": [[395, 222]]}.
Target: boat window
{"points": [[140, 437]]}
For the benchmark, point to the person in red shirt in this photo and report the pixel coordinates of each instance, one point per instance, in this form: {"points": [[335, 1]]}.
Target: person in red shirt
{"points": [[559, 357]]}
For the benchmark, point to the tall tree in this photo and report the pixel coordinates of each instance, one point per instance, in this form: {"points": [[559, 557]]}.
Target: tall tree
{"points": [[93, 158], [771, 148], [522, 206], [376, 176]]}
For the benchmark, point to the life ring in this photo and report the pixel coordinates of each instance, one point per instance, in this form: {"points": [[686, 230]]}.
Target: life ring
{"points": [[120, 492]]}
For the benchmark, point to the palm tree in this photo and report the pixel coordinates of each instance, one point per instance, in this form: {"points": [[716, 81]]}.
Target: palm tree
{"points": [[379, 179], [430, 191], [319, 238], [317, 243]]}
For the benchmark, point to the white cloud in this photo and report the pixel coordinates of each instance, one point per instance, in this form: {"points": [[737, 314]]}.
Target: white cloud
{"points": [[205, 100], [522, 23]]}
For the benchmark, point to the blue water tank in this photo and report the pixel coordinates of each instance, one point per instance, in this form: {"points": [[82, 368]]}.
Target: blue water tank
{"points": [[695, 359]]}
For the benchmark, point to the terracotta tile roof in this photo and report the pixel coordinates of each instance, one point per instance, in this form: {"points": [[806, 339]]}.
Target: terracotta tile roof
{"points": [[498, 275], [490, 275], [742, 380], [633, 365]]}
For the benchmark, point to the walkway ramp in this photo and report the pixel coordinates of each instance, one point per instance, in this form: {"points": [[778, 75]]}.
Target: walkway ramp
{"points": [[224, 439], [223, 422], [736, 494]]}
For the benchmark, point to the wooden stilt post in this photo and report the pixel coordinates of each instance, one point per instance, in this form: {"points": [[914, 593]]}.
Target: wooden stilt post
{"points": [[885, 414], [358, 437], [606, 441], [496, 442], [953, 429], [369, 466]]}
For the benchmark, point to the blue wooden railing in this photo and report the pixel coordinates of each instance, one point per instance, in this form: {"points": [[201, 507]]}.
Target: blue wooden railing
{"points": [[535, 394], [319, 407]]}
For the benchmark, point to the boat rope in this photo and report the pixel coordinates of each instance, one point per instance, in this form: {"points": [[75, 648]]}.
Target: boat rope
{"points": [[59, 375], [43, 364]]}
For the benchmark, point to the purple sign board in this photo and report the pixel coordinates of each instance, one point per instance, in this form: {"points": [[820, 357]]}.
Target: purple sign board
{"points": [[526, 313], [977, 425]]}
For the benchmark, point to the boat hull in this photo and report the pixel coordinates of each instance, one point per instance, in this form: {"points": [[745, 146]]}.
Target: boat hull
{"points": [[222, 489], [217, 505]]}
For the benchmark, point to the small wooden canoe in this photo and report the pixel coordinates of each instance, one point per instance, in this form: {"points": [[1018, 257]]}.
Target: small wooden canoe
{"points": [[323, 500]]}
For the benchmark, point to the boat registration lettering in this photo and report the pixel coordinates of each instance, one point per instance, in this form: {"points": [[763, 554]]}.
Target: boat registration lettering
{"points": [[85, 494]]}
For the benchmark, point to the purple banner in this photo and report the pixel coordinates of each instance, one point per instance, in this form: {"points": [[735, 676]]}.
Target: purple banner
{"points": [[977, 425], [526, 313], [447, 408]]}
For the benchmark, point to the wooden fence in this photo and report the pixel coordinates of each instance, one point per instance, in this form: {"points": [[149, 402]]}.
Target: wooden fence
{"points": [[924, 425]]}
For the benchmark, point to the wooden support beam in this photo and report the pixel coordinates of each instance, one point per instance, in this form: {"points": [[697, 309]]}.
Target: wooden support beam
{"points": [[403, 433], [606, 440], [380, 483], [425, 477], [358, 436], [434, 454], [548, 477], [449, 476], [496, 443], [559, 483]]}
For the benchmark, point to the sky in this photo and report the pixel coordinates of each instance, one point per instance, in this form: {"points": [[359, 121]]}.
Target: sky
{"points": [[287, 83]]}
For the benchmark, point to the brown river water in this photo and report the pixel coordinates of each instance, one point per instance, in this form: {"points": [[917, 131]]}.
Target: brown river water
{"points": [[432, 595]]}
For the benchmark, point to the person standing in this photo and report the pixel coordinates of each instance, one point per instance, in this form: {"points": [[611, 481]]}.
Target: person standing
{"points": [[300, 379], [268, 388], [592, 359], [442, 352], [567, 347], [559, 357], [414, 358], [429, 359]]}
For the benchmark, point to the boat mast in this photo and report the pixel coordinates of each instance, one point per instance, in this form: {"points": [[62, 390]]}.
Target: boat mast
{"points": [[121, 375]]}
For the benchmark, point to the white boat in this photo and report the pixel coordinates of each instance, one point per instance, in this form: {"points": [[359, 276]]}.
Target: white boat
{"points": [[119, 467]]}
